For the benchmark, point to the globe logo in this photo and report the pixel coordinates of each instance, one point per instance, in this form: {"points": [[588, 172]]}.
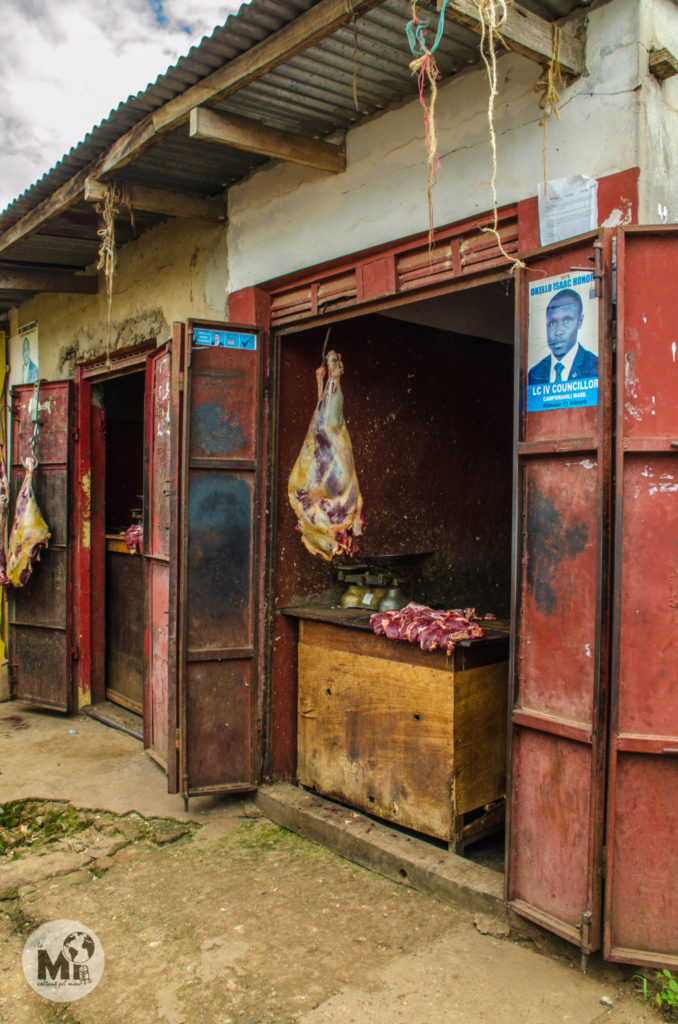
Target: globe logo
{"points": [[78, 947], [63, 969]]}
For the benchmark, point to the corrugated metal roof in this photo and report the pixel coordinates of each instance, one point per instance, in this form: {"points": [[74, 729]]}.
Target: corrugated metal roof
{"points": [[311, 94], [311, 91]]}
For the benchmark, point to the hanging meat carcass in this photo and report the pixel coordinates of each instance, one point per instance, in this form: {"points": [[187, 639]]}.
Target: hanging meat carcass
{"points": [[4, 509], [323, 488], [30, 533]]}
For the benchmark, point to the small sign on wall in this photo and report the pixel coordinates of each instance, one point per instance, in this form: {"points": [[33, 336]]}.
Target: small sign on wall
{"points": [[224, 339], [23, 355], [562, 343]]}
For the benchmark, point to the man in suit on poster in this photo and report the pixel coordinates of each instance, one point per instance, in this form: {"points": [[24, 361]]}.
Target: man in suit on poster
{"points": [[568, 360]]}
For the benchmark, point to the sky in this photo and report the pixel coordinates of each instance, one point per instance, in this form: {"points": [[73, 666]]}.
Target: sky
{"points": [[67, 63]]}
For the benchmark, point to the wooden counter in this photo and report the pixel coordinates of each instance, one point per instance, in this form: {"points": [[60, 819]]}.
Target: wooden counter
{"points": [[413, 737]]}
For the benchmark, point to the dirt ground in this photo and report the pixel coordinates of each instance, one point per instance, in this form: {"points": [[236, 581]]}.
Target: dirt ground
{"points": [[222, 917]]}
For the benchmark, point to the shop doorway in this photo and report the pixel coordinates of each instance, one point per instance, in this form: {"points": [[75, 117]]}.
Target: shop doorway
{"points": [[122, 403], [429, 402]]}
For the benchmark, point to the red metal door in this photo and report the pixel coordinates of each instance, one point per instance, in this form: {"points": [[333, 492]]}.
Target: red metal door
{"points": [[561, 572], [160, 441], [642, 839], [41, 648], [218, 566]]}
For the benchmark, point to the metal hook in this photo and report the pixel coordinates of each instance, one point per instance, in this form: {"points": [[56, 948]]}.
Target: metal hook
{"points": [[34, 437], [327, 338]]}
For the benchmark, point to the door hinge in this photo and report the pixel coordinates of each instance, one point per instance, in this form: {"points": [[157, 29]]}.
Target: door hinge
{"points": [[75, 653], [181, 380], [177, 739], [75, 434]]}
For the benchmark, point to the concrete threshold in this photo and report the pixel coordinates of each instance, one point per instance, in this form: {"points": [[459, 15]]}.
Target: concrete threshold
{"points": [[373, 845]]}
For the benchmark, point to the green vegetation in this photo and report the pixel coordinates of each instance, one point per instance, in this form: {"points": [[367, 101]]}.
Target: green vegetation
{"points": [[662, 990], [41, 826]]}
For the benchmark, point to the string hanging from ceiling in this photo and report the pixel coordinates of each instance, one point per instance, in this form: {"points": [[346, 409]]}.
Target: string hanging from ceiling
{"points": [[547, 83], [425, 68], [116, 198], [493, 15]]}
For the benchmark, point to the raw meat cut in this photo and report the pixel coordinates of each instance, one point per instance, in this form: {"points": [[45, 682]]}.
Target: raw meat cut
{"points": [[4, 508], [323, 487], [430, 629], [30, 532], [134, 537]]}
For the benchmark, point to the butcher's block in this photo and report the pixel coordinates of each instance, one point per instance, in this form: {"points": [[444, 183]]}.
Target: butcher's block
{"points": [[417, 738]]}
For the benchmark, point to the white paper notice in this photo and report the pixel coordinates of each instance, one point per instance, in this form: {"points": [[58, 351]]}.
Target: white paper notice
{"points": [[567, 207]]}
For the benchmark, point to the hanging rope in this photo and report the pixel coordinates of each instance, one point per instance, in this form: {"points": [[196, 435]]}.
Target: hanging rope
{"points": [[116, 198], [425, 68], [547, 84], [493, 14]]}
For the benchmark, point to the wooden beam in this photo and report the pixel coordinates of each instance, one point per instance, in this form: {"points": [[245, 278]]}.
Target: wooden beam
{"points": [[254, 137], [320, 21], [525, 33], [16, 278], [157, 200], [662, 64]]}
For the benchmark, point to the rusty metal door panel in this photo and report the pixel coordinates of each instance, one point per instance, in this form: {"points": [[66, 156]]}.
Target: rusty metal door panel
{"points": [[224, 427], [157, 518], [642, 842], [642, 913], [219, 692], [552, 777], [560, 642], [558, 613], [41, 648], [218, 565]]}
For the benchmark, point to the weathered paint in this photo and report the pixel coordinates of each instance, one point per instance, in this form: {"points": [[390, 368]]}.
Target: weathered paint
{"points": [[85, 488], [158, 513], [642, 900]]}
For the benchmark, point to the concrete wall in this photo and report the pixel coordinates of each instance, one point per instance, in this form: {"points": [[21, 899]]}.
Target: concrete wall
{"points": [[175, 271], [658, 117], [283, 218]]}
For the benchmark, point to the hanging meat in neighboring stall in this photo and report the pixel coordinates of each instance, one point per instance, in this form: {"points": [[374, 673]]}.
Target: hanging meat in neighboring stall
{"points": [[4, 508], [30, 533], [323, 488]]}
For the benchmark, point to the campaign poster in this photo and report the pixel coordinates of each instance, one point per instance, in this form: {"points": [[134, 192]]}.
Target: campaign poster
{"points": [[23, 355], [562, 342]]}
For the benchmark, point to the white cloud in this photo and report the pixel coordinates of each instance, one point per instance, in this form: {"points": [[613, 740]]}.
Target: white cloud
{"points": [[68, 63]]}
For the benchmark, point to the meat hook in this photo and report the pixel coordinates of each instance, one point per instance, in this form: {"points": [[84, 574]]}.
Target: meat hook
{"points": [[327, 338], [34, 439]]}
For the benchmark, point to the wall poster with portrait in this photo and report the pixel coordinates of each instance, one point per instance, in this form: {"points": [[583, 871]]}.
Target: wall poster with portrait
{"points": [[562, 342], [23, 355]]}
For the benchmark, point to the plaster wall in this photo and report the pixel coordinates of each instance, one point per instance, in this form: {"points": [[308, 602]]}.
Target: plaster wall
{"points": [[284, 218], [174, 271], [658, 117]]}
